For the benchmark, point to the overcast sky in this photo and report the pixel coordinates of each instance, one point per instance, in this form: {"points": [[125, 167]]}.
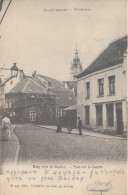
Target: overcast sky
{"points": [[45, 41]]}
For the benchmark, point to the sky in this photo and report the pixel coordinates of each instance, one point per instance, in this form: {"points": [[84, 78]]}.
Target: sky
{"points": [[37, 37]]}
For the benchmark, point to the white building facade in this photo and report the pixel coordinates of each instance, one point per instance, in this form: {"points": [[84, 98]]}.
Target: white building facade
{"points": [[102, 91], [15, 76]]}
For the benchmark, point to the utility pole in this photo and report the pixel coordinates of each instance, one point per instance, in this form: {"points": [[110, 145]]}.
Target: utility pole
{"points": [[5, 10]]}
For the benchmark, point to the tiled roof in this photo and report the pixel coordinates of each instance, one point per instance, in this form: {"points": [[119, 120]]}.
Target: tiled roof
{"points": [[28, 86], [65, 97], [38, 80], [55, 84], [19, 87], [111, 56]]}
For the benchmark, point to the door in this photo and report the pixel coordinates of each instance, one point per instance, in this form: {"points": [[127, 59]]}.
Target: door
{"points": [[87, 115], [119, 118], [99, 115]]}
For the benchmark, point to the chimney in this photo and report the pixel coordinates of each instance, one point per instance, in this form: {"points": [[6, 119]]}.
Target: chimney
{"points": [[21, 74], [34, 74]]}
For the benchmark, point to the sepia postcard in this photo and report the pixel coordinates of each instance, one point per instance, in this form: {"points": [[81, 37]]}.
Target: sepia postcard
{"points": [[63, 97]]}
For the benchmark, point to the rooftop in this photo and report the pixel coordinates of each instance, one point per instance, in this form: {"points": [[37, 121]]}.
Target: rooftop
{"points": [[73, 107], [65, 97], [55, 84], [111, 56], [28, 86]]}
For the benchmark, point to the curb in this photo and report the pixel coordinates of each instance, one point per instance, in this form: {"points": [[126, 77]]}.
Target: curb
{"points": [[117, 138], [18, 147]]}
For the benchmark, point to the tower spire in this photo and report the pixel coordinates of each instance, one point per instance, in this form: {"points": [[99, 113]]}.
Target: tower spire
{"points": [[76, 66], [76, 49], [76, 53]]}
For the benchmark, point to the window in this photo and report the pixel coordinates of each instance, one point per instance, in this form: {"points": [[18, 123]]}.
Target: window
{"points": [[59, 113], [88, 89], [111, 85], [110, 115], [87, 115], [11, 82], [32, 115], [101, 87], [99, 115]]}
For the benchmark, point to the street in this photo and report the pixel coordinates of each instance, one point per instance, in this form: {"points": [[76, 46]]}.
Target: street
{"points": [[44, 145]]}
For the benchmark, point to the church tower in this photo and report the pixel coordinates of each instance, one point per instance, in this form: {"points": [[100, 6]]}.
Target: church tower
{"points": [[76, 67]]}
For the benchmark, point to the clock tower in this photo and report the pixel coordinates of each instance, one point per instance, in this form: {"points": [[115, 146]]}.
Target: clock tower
{"points": [[76, 67]]}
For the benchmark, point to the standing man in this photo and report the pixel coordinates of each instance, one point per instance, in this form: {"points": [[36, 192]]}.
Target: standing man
{"points": [[80, 126]]}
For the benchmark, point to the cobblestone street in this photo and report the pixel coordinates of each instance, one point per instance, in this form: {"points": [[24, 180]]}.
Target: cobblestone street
{"points": [[40, 144]]}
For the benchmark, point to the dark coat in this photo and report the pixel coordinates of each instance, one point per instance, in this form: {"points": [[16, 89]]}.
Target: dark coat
{"points": [[80, 124]]}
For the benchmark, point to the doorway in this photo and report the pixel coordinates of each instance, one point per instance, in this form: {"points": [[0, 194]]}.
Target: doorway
{"points": [[99, 115], [87, 115], [119, 118]]}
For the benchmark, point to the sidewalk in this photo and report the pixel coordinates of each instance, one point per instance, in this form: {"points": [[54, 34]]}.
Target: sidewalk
{"points": [[84, 132], [9, 149]]}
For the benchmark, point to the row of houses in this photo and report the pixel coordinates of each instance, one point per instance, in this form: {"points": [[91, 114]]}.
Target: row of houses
{"points": [[100, 89]]}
